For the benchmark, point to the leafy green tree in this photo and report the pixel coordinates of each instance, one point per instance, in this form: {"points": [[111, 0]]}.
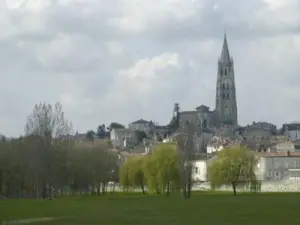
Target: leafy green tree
{"points": [[150, 170], [124, 175], [166, 160], [132, 173], [234, 165], [136, 172]]}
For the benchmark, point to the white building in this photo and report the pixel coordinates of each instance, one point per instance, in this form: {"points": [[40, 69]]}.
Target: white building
{"points": [[200, 171], [286, 146]]}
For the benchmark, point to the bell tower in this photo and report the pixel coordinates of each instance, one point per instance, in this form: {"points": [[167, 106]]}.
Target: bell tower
{"points": [[226, 104]]}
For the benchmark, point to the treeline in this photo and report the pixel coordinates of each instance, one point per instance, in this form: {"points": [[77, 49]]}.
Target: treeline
{"points": [[158, 172], [46, 161], [166, 170]]}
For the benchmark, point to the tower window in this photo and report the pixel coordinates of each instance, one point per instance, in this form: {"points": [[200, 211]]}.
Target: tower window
{"points": [[221, 72], [225, 72], [223, 86], [227, 96], [223, 96]]}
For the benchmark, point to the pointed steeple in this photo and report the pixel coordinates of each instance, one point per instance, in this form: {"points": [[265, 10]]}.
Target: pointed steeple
{"points": [[225, 56]]}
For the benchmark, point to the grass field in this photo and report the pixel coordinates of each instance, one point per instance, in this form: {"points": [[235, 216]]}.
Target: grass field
{"points": [[203, 208]]}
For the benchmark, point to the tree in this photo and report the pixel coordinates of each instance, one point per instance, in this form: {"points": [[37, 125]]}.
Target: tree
{"points": [[132, 173], [90, 135], [165, 160], [140, 135], [176, 112], [187, 153], [174, 123], [115, 125], [101, 131], [48, 126], [234, 165]]}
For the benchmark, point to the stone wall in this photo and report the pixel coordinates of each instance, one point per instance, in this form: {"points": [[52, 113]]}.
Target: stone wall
{"points": [[266, 186], [280, 186]]}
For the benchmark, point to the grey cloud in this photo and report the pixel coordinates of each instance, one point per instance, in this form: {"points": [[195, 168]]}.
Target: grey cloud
{"points": [[61, 53]]}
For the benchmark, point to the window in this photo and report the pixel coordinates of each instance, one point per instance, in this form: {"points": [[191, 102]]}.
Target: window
{"points": [[204, 124], [221, 72], [223, 96], [225, 72], [227, 86], [196, 170], [223, 86], [227, 96]]}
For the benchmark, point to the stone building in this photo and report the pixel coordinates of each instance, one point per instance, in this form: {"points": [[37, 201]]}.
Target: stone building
{"points": [[291, 130], [277, 165], [141, 125], [122, 137], [225, 112]]}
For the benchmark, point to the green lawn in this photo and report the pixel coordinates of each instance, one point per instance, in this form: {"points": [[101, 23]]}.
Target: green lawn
{"points": [[203, 208]]}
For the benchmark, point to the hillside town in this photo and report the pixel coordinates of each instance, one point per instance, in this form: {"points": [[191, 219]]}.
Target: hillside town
{"points": [[200, 132], [278, 149]]}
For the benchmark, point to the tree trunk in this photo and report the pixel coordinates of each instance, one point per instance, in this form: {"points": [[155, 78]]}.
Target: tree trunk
{"points": [[143, 188], [168, 188], [234, 188], [1, 181], [114, 187], [103, 189]]}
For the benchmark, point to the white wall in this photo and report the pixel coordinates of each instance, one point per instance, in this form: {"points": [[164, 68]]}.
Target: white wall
{"points": [[211, 149], [200, 170], [276, 168], [292, 134]]}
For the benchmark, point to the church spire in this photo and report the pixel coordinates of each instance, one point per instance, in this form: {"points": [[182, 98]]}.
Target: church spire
{"points": [[225, 56]]}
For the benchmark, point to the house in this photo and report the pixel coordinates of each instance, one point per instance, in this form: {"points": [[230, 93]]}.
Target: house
{"points": [[217, 144], [200, 167], [277, 165], [292, 130], [141, 125], [121, 137], [286, 146]]}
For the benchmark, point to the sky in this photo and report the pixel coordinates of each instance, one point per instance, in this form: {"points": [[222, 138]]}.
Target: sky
{"points": [[122, 60]]}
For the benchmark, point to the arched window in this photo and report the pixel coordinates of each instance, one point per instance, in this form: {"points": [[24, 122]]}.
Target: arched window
{"points": [[223, 86], [227, 96], [225, 72]]}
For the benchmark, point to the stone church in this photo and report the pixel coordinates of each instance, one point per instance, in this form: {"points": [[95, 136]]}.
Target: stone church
{"points": [[225, 113]]}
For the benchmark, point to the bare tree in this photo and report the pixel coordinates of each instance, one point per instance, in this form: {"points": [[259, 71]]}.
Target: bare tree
{"points": [[186, 148], [49, 127]]}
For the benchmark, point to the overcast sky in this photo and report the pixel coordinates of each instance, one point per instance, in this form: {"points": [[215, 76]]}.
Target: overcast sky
{"points": [[122, 60]]}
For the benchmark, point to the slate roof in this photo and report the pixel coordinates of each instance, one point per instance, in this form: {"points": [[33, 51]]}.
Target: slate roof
{"points": [[140, 121]]}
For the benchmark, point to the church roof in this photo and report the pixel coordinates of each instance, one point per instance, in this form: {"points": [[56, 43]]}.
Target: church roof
{"points": [[225, 56]]}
